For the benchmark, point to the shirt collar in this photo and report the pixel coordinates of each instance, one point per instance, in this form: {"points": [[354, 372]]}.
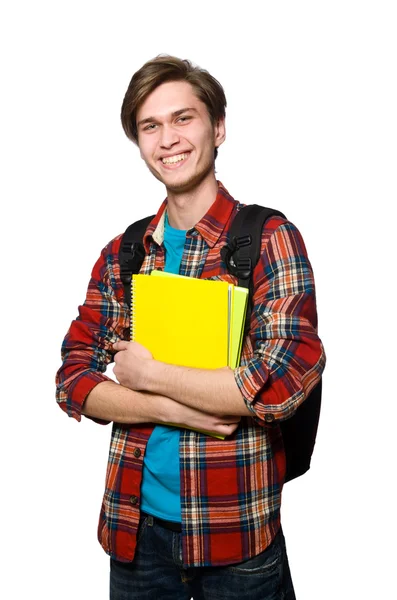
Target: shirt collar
{"points": [[210, 227]]}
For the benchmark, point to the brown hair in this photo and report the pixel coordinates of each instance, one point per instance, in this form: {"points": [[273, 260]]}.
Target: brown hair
{"points": [[170, 68]]}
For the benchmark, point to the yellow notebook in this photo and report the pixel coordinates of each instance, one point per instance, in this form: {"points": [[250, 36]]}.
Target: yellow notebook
{"points": [[182, 320]]}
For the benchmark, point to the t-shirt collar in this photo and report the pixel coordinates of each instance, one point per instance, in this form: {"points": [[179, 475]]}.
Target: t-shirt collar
{"points": [[210, 227]]}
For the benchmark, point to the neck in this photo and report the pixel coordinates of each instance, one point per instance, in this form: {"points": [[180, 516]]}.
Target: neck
{"points": [[185, 209]]}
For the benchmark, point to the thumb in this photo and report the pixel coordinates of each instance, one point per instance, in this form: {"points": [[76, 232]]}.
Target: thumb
{"points": [[120, 345]]}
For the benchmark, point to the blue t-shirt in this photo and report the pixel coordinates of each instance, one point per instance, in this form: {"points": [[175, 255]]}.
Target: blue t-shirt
{"points": [[160, 489]]}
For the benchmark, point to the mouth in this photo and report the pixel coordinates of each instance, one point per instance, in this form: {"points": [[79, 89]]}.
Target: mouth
{"points": [[175, 161]]}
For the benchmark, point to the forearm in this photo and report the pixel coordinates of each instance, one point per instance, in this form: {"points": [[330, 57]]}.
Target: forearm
{"points": [[113, 402], [110, 401], [213, 391]]}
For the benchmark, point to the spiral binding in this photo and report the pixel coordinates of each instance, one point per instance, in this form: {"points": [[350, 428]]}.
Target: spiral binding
{"points": [[132, 311]]}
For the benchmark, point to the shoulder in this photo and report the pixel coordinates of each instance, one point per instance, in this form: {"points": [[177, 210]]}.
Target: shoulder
{"points": [[108, 260], [113, 246], [269, 227], [284, 236]]}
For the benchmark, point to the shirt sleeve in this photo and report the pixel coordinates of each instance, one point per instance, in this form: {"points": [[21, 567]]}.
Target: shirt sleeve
{"points": [[87, 348], [283, 357]]}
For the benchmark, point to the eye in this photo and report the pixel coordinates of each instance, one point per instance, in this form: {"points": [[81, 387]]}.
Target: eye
{"points": [[183, 119], [150, 127]]}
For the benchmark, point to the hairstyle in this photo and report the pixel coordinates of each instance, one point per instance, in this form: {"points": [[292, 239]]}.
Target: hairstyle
{"points": [[166, 68]]}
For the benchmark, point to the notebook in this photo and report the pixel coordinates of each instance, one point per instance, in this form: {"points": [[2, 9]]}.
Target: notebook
{"points": [[182, 320], [239, 308]]}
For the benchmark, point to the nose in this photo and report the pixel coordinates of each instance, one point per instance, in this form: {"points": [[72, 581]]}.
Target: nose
{"points": [[169, 136]]}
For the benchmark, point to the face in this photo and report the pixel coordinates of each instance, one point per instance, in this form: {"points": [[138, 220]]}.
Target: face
{"points": [[176, 137]]}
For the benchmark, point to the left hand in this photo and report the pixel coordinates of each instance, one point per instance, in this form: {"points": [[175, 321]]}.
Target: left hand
{"points": [[131, 361]]}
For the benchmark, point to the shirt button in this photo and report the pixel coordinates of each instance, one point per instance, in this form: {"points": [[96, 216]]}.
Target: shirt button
{"points": [[137, 453], [269, 418], [134, 499]]}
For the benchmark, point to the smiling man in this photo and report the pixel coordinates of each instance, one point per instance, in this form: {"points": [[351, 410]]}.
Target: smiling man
{"points": [[185, 514], [178, 145]]}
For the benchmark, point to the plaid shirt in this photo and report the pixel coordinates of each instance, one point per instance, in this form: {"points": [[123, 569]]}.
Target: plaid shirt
{"points": [[230, 489]]}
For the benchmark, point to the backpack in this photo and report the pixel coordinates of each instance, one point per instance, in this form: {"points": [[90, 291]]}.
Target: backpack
{"points": [[241, 255]]}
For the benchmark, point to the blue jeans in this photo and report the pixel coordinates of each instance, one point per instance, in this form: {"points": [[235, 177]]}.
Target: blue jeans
{"points": [[156, 572]]}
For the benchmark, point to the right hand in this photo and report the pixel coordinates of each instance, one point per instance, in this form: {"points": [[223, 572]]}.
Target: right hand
{"points": [[191, 417]]}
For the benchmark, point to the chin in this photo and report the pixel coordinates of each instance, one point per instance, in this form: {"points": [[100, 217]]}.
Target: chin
{"points": [[183, 185], [186, 183]]}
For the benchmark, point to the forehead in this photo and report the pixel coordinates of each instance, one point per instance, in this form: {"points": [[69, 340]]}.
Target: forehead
{"points": [[168, 98]]}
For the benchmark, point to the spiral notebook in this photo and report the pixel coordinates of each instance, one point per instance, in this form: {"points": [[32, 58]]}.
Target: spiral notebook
{"points": [[182, 320]]}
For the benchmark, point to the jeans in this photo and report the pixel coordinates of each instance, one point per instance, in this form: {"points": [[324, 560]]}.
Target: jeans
{"points": [[156, 572]]}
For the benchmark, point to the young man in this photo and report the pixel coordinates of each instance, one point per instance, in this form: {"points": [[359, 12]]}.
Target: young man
{"points": [[185, 514]]}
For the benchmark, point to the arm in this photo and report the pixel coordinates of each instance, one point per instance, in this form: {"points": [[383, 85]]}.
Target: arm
{"points": [[288, 356], [112, 402], [283, 358], [82, 386], [204, 389], [87, 347]]}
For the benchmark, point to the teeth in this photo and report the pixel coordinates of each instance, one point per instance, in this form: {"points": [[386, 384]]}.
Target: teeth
{"points": [[173, 159]]}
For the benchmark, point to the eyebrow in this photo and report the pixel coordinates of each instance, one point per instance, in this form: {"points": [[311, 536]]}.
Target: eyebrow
{"points": [[176, 113]]}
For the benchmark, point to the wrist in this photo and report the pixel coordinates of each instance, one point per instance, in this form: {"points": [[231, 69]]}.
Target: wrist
{"points": [[149, 376], [156, 376]]}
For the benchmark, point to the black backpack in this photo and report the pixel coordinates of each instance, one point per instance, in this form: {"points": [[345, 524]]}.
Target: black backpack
{"points": [[241, 254]]}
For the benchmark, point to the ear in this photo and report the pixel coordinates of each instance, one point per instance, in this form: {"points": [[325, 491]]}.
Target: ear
{"points": [[219, 132]]}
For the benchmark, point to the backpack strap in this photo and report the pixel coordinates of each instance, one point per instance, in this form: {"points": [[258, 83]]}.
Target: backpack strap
{"points": [[242, 252], [132, 253]]}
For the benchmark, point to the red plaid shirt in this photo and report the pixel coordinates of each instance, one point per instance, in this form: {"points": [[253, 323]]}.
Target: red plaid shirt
{"points": [[230, 489]]}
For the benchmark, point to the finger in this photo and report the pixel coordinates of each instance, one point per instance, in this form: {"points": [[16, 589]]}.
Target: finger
{"points": [[120, 345], [227, 429]]}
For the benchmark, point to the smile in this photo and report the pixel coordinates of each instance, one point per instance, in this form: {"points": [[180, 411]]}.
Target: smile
{"points": [[177, 158]]}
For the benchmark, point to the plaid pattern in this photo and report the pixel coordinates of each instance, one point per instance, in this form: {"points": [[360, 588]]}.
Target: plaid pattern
{"points": [[230, 489]]}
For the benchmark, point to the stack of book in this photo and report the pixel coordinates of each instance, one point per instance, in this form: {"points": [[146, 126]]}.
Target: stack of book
{"points": [[187, 321]]}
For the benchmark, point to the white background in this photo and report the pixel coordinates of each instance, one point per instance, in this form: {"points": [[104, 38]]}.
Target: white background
{"points": [[311, 126]]}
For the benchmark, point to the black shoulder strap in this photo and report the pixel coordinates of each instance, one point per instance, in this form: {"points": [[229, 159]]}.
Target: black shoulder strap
{"points": [[242, 252], [245, 238], [132, 253]]}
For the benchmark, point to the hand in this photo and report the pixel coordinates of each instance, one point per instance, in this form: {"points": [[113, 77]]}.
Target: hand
{"points": [[219, 424], [131, 361], [186, 416]]}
